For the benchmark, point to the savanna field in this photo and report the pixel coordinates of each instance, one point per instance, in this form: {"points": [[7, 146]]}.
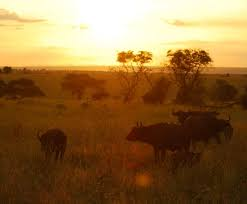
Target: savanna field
{"points": [[100, 165]]}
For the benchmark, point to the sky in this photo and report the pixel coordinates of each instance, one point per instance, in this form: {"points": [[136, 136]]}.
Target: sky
{"points": [[92, 32]]}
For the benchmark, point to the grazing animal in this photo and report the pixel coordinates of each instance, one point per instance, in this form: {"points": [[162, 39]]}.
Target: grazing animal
{"points": [[53, 141], [162, 137], [183, 115], [202, 128]]}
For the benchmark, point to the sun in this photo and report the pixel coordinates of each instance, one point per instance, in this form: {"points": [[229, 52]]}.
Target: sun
{"points": [[108, 21], [107, 29]]}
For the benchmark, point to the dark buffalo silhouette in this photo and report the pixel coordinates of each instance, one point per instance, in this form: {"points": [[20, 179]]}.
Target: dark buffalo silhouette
{"points": [[183, 115], [204, 127], [162, 137], [53, 141]]}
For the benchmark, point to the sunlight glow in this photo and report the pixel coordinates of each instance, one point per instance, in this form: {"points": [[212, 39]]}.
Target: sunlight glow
{"points": [[80, 32], [108, 21], [143, 180]]}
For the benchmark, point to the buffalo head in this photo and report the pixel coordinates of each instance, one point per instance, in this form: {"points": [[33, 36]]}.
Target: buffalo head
{"points": [[135, 132], [226, 127], [181, 115], [41, 140]]}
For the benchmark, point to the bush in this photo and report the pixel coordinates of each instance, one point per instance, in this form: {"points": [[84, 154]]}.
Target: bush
{"points": [[78, 83], [193, 96], [20, 88], [7, 70], [158, 93], [243, 101], [2, 88], [100, 94], [222, 91], [22, 82]]}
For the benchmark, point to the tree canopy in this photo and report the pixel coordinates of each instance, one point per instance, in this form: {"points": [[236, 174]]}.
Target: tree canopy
{"points": [[186, 67], [132, 71]]}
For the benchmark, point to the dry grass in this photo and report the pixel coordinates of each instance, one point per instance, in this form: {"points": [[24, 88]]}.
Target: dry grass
{"points": [[100, 166]]}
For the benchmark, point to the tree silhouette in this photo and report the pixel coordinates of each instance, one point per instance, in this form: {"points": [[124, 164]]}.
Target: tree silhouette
{"points": [[132, 71], [186, 67]]}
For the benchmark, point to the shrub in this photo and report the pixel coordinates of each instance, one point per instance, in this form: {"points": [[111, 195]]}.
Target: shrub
{"points": [[243, 101], [100, 94], [21, 88], [2, 88], [222, 91], [7, 69], [78, 83], [193, 97], [158, 92]]}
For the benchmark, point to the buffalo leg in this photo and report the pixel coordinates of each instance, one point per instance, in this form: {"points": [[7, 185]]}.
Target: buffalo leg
{"points": [[57, 154], [62, 154], [218, 139], [48, 154], [156, 154], [163, 154]]}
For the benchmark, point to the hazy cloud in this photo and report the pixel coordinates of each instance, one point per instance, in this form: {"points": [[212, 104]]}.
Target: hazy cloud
{"points": [[178, 23], [17, 27], [81, 27], [204, 43], [208, 23], [6, 15]]}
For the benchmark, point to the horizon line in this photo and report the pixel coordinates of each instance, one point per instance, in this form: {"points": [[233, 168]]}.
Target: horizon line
{"points": [[62, 66]]}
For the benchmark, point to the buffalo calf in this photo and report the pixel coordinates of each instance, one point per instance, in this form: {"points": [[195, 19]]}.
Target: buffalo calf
{"points": [[53, 141]]}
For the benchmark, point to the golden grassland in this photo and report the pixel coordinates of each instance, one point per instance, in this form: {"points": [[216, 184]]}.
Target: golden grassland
{"points": [[100, 166]]}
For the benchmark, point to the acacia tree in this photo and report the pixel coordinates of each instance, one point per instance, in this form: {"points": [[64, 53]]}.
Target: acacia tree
{"points": [[132, 71], [186, 67]]}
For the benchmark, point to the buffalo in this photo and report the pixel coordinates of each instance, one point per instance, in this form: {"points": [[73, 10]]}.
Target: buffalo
{"points": [[53, 141], [162, 137], [183, 115], [204, 127]]}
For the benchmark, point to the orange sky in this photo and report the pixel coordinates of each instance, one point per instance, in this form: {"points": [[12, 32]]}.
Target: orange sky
{"points": [[76, 32]]}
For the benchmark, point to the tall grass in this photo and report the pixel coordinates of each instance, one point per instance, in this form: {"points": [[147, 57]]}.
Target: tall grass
{"points": [[100, 166]]}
